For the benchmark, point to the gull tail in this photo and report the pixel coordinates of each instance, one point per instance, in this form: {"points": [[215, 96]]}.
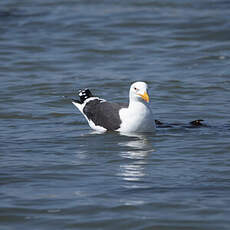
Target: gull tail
{"points": [[83, 95]]}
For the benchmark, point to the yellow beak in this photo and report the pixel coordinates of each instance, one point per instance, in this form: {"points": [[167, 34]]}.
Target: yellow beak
{"points": [[145, 96]]}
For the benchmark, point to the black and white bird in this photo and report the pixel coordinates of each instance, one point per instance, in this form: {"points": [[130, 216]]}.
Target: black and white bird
{"points": [[135, 116]]}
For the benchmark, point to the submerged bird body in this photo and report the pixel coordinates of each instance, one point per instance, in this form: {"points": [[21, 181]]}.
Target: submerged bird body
{"points": [[105, 116]]}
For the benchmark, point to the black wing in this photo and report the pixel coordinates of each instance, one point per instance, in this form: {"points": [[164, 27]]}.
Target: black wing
{"points": [[104, 114]]}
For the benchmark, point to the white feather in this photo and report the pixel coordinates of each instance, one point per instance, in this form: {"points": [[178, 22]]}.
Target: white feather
{"points": [[138, 118]]}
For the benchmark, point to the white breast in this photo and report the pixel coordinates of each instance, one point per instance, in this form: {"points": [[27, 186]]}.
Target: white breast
{"points": [[137, 118]]}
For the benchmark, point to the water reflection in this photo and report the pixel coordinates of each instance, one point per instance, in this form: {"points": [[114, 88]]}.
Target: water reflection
{"points": [[137, 149]]}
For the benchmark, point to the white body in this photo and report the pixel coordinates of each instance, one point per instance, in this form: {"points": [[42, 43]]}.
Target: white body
{"points": [[137, 117]]}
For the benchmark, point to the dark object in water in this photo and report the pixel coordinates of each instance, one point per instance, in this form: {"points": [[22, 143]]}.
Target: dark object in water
{"points": [[192, 124], [197, 123], [157, 122], [5, 13]]}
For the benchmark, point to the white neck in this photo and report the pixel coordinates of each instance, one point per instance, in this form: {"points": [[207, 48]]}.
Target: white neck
{"points": [[136, 104]]}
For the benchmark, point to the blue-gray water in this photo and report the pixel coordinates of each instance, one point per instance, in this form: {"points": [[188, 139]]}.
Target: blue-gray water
{"points": [[55, 173]]}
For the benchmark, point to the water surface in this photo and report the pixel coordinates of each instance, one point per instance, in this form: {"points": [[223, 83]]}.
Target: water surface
{"points": [[56, 173]]}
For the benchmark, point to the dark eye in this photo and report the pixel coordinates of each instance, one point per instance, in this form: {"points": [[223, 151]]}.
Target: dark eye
{"points": [[135, 88]]}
